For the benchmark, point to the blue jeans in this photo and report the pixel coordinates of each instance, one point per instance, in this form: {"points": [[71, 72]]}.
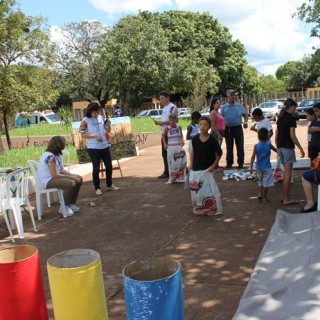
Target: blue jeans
{"points": [[96, 156]]}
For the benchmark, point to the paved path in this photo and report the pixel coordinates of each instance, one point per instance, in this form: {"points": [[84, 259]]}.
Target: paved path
{"points": [[148, 218]]}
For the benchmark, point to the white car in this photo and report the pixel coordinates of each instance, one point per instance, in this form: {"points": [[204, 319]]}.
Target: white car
{"points": [[205, 111], [184, 112], [152, 113], [31, 118], [270, 109]]}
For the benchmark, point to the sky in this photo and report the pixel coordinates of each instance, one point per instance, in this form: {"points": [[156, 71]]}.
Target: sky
{"points": [[266, 28]]}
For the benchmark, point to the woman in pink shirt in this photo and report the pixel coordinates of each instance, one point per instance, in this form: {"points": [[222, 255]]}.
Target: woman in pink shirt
{"points": [[217, 120]]}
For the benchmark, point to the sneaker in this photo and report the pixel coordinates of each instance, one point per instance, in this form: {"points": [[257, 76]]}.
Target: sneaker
{"points": [[74, 208], [70, 213], [112, 188], [98, 192], [164, 176]]}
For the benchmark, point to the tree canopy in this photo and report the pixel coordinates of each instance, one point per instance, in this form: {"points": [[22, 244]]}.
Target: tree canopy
{"points": [[24, 44], [309, 12]]}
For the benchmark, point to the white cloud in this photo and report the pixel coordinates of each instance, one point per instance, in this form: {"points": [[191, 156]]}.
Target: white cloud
{"points": [[266, 28]]}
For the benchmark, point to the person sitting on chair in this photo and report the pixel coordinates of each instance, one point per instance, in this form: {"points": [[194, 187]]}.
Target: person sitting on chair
{"points": [[309, 178], [52, 174]]}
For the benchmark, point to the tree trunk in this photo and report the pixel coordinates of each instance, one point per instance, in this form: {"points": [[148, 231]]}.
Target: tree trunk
{"points": [[1, 146], [6, 129]]}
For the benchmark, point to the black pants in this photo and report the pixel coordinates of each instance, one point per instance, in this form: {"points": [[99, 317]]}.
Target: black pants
{"points": [[234, 134], [96, 156], [165, 159]]}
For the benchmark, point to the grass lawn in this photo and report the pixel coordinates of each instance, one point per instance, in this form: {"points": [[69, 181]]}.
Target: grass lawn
{"points": [[19, 157]]}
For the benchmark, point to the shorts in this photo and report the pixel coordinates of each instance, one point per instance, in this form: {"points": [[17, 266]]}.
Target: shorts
{"points": [[312, 176], [265, 178], [286, 155]]}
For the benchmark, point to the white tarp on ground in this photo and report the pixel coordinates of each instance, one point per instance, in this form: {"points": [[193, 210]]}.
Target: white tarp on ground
{"points": [[285, 283]]}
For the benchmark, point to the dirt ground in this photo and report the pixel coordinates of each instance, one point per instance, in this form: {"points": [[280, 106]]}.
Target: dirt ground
{"points": [[148, 218]]}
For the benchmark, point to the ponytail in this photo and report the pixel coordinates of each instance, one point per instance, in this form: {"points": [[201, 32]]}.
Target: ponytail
{"points": [[286, 105]]}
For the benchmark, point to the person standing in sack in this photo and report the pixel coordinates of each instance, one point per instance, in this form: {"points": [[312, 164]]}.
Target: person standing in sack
{"points": [[205, 156], [233, 113], [92, 128], [173, 141], [168, 108], [286, 140]]}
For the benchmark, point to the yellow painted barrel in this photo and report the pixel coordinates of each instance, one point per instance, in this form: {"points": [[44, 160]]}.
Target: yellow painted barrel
{"points": [[76, 285]]}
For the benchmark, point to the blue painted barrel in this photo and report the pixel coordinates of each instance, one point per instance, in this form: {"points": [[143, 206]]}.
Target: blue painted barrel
{"points": [[153, 289]]}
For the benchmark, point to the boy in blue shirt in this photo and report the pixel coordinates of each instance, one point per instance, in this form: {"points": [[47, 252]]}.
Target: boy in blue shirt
{"points": [[262, 151]]}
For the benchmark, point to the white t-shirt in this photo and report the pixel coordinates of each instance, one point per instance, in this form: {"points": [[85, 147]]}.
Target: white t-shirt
{"points": [[166, 112], [43, 168], [264, 123]]}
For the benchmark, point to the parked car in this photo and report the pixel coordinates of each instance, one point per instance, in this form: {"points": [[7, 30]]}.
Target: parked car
{"points": [[152, 113], [279, 99], [205, 111], [27, 119], [304, 105], [270, 109], [184, 112]]}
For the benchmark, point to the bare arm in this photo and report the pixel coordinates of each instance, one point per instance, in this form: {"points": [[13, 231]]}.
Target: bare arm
{"points": [[164, 138], [270, 134], [91, 136], [296, 141], [253, 128], [189, 130], [191, 159], [253, 156], [182, 140], [215, 163]]}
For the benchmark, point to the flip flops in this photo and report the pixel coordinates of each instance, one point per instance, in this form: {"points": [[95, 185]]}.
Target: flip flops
{"points": [[291, 202]]}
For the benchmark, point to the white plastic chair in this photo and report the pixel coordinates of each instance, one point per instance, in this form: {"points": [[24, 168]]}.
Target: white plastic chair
{"points": [[13, 196], [3, 187], [40, 191]]}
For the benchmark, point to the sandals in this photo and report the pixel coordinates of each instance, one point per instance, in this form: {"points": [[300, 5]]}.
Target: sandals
{"points": [[291, 202]]}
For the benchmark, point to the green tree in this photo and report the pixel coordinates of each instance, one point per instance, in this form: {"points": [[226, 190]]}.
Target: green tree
{"points": [[250, 82], [270, 85], [295, 74], [315, 67], [135, 58], [23, 42], [211, 43], [309, 12], [78, 60]]}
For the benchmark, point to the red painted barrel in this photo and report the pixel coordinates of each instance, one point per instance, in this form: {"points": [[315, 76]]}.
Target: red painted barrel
{"points": [[22, 294]]}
